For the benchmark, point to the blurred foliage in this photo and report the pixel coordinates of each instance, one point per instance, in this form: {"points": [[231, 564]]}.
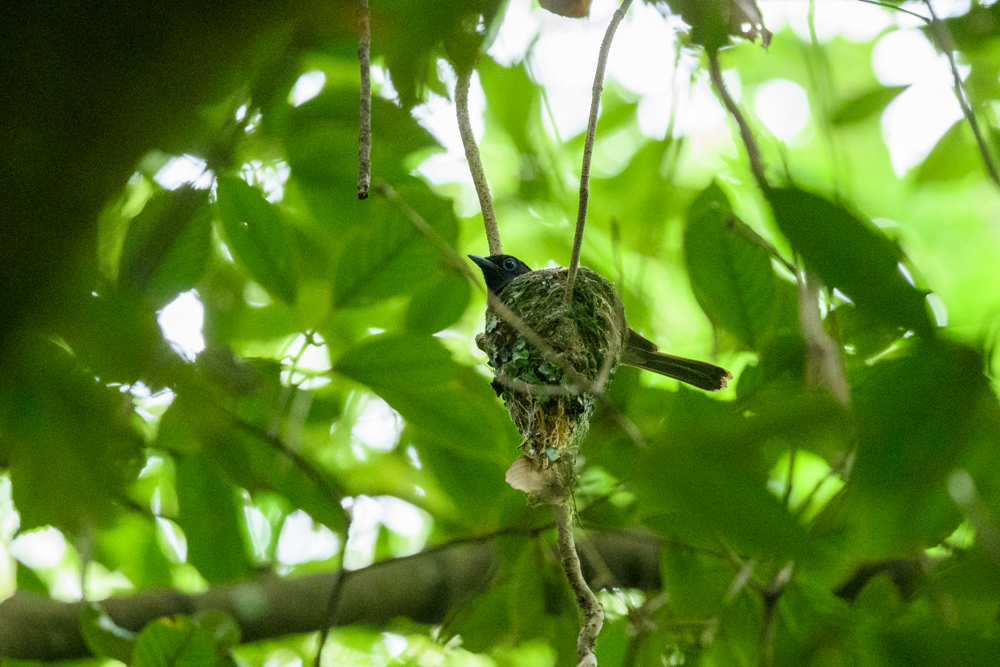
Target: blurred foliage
{"points": [[339, 372]]}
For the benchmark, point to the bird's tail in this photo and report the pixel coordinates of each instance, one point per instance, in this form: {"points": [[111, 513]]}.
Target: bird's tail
{"points": [[701, 374]]}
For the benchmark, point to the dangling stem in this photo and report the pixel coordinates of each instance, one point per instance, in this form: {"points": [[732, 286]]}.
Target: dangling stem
{"points": [[365, 131], [588, 149]]}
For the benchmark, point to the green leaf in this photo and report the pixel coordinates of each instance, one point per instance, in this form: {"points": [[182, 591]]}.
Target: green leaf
{"points": [[454, 408], [731, 276], [954, 156], [73, 450], [438, 305], [864, 106], [173, 642], [916, 414], [388, 256], [848, 252], [215, 538], [708, 472], [104, 637], [257, 236], [168, 244]]}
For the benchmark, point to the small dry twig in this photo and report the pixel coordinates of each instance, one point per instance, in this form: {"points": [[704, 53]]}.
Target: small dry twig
{"points": [[588, 148], [593, 612], [939, 29], [365, 132], [475, 163], [753, 151]]}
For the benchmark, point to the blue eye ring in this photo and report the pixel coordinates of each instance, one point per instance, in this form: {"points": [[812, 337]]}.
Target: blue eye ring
{"points": [[509, 264]]}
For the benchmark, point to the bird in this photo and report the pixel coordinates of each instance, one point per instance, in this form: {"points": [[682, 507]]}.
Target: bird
{"points": [[499, 271]]}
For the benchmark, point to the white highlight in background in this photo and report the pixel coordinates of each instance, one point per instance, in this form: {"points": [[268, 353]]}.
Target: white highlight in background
{"points": [[184, 169], [783, 107], [302, 540], [306, 87], [181, 322]]}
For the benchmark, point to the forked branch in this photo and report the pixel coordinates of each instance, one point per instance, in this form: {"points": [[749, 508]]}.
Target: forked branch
{"points": [[588, 148]]}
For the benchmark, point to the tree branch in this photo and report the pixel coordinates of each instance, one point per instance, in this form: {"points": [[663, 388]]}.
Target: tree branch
{"points": [[753, 151], [939, 30], [365, 132], [588, 149], [593, 612], [475, 164], [424, 587]]}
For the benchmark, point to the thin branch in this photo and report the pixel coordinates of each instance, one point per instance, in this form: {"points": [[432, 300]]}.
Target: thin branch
{"points": [[593, 612], [897, 8], [771, 595], [365, 132], [747, 232], [475, 164], [331, 609], [588, 149], [939, 29], [753, 151], [328, 488]]}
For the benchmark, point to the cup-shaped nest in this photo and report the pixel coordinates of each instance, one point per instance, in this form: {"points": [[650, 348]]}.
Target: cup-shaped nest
{"points": [[551, 411]]}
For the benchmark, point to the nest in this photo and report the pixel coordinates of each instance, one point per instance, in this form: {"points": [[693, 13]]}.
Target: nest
{"points": [[550, 411]]}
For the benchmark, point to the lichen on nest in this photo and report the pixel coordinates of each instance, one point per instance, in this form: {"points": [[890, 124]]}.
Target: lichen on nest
{"points": [[551, 416]]}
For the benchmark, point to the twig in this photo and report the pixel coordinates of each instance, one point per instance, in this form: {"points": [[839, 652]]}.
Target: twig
{"points": [[753, 151], [588, 149], [939, 29], [771, 595], [365, 132], [897, 8], [331, 610], [475, 164], [329, 489], [593, 612], [747, 232]]}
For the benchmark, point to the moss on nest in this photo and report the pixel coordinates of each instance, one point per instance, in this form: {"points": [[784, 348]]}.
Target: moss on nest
{"points": [[551, 419]]}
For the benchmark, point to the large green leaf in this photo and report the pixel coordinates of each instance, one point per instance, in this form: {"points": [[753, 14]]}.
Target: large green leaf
{"points": [[257, 236], [731, 276], [917, 414], [168, 244], [954, 156], [454, 408], [864, 106], [174, 642], [71, 446], [104, 637], [848, 252], [215, 537], [389, 256], [439, 305]]}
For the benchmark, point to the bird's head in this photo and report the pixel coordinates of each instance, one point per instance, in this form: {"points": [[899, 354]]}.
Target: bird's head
{"points": [[499, 270]]}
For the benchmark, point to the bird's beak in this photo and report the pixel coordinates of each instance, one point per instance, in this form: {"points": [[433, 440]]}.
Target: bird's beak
{"points": [[484, 264]]}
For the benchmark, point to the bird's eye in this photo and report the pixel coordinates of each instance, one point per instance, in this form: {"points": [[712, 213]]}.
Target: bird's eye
{"points": [[509, 264]]}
